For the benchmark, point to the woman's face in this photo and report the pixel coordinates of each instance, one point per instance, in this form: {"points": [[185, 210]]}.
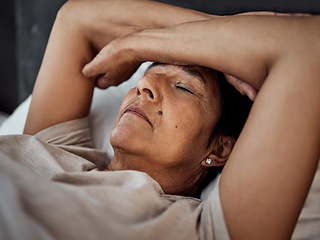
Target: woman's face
{"points": [[164, 124]]}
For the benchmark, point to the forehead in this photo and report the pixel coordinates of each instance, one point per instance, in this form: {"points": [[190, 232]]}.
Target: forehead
{"points": [[201, 74]]}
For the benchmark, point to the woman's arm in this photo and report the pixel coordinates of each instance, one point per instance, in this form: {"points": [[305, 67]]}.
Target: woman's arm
{"points": [[267, 177], [214, 43], [61, 92]]}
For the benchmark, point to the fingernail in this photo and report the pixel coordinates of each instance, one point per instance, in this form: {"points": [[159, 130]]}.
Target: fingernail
{"points": [[251, 95], [86, 69]]}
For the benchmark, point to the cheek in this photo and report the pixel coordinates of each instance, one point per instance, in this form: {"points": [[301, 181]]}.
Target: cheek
{"points": [[184, 115], [186, 126]]}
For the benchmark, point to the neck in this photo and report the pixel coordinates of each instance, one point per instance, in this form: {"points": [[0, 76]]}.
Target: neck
{"points": [[173, 180]]}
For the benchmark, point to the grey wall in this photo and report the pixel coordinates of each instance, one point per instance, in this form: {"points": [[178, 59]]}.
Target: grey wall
{"points": [[34, 20], [8, 84], [25, 26]]}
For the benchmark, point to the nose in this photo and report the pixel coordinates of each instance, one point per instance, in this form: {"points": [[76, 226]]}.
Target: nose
{"points": [[149, 87]]}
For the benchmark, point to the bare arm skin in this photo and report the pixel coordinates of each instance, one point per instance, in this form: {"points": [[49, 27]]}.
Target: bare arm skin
{"points": [[61, 92], [268, 175]]}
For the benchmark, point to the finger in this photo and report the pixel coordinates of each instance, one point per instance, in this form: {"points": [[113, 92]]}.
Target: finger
{"points": [[103, 82], [235, 82], [94, 68], [114, 78], [243, 87], [250, 91]]}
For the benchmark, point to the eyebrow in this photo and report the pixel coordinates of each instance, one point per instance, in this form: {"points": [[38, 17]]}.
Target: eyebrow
{"points": [[195, 73]]}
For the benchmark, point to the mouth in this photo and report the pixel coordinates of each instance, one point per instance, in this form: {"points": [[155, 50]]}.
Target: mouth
{"points": [[138, 112]]}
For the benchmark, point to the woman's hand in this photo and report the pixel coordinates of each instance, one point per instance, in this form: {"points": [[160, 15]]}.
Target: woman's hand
{"points": [[113, 65]]}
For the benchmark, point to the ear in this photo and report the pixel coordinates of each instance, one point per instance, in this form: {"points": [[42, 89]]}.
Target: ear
{"points": [[221, 148]]}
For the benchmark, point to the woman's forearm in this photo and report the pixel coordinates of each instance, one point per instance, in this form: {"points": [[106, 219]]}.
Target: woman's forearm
{"points": [[243, 46], [237, 45], [61, 93], [104, 21]]}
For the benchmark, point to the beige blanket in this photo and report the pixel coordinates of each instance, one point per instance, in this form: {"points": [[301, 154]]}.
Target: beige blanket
{"points": [[51, 188]]}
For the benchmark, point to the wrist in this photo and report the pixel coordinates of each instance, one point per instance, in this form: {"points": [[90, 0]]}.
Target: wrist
{"points": [[156, 45]]}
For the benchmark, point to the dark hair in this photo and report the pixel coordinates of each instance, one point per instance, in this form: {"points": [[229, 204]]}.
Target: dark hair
{"points": [[235, 109]]}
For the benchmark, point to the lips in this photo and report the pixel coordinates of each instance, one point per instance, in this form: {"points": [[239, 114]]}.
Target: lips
{"points": [[138, 112]]}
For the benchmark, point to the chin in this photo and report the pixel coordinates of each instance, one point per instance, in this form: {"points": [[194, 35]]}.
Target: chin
{"points": [[120, 137], [127, 139]]}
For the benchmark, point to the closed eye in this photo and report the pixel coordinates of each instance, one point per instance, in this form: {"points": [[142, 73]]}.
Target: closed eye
{"points": [[184, 89]]}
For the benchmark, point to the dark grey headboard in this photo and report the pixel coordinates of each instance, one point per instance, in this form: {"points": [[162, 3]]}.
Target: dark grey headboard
{"points": [[25, 26], [223, 7]]}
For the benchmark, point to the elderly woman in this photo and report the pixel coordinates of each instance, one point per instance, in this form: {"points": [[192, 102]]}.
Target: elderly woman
{"points": [[168, 126]]}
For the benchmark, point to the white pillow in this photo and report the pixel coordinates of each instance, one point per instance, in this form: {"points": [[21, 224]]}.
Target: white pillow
{"points": [[14, 124]]}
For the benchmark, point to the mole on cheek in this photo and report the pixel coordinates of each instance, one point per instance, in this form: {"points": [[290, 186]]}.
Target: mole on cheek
{"points": [[176, 126]]}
